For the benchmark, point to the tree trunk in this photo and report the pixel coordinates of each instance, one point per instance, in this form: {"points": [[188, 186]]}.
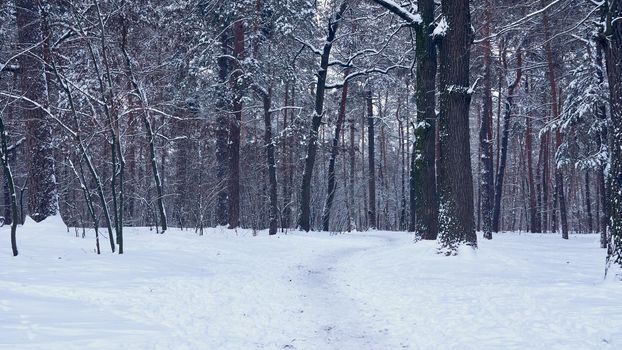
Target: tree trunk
{"points": [[613, 55], [150, 134], [304, 217], [534, 217], [504, 143], [559, 180], [233, 186], [456, 220], [371, 158], [288, 180], [423, 190], [222, 133], [269, 144], [485, 134], [352, 153], [89, 202], [588, 202], [8, 175], [42, 193], [334, 151]]}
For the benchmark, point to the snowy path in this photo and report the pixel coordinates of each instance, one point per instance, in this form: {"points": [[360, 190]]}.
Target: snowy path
{"points": [[378, 290], [343, 324]]}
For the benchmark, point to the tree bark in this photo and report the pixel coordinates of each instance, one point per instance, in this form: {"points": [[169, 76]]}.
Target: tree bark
{"points": [[456, 220], [485, 134], [269, 144], [423, 189], [613, 54]]}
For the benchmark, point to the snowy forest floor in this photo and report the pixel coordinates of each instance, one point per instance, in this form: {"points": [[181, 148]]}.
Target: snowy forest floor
{"points": [[372, 290]]}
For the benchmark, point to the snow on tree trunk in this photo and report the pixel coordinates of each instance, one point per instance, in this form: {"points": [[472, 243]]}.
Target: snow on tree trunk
{"points": [[423, 195], [613, 54]]}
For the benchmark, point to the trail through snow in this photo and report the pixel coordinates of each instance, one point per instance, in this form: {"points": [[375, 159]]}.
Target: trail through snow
{"points": [[232, 290]]}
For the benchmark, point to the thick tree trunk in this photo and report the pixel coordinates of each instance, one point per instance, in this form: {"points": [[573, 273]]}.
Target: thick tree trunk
{"points": [[334, 152], [613, 55], [423, 190], [456, 220], [304, 217]]}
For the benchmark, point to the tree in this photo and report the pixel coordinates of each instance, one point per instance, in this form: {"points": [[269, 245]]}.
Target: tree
{"points": [[8, 174], [485, 134], [611, 37], [42, 193], [305, 188], [456, 221], [334, 151], [423, 195]]}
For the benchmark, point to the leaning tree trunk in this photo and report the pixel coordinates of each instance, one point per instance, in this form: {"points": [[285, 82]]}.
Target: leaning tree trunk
{"points": [[613, 54], [304, 217], [89, 201], [42, 193], [334, 152], [107, 93], [150, 135], [456, 220], [504, 144]]}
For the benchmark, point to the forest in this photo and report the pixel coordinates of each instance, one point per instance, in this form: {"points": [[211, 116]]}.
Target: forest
{"points": [[310, 174], [439, 119]]}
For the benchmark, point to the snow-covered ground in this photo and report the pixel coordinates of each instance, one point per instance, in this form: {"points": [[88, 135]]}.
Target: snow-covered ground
{"points": [[374, 290]]}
